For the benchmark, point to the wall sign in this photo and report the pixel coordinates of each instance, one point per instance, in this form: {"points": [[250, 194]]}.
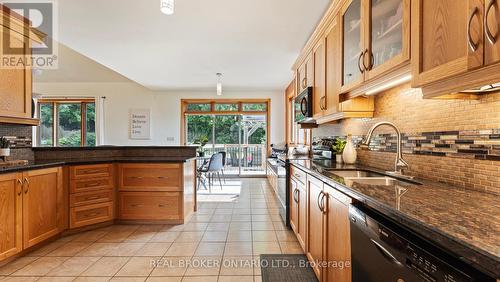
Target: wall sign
{"points": [[140, 124]]}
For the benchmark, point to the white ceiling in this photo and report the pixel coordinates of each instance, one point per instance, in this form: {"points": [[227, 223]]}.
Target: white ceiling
{"points": [[252, 42]]}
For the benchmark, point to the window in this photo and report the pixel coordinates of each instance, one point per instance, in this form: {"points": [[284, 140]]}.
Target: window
{"points": [[199, 107], [254, 107], [66, 123], [226, 107]]}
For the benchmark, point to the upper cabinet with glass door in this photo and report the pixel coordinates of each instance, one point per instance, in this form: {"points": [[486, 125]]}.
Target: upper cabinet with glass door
{"points": [[388, 39], [375, 39], [352, 44]]}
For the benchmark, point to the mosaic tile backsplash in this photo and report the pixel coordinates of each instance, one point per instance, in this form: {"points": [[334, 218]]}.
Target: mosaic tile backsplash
{"points": [[20, 137], [451, 141]]}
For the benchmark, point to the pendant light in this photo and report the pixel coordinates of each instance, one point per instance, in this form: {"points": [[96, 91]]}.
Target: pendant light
{"points": [[219, 84], [167, 7]]}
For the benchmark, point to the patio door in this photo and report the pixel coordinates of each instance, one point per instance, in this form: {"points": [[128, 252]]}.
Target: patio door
{"points": [[242, 136]]}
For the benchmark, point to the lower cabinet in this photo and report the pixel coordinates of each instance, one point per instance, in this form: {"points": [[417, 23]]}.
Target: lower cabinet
{"points": [[337, 240], [315, 223], [150, 206], [31, 204], [91, 214], [319, 216], [92, 194], [11, 212], [298, 210], [42, 202]]}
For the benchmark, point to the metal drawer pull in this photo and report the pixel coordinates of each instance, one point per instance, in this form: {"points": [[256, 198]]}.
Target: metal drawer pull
{"points": [[162, 205], [136, 177], [367, 68], [491, 38], [323, 202], [92, 198], [163, 177], [136, 205], [473, 45], [91, 171], [92, 214], [319, 201], [92, 184]]}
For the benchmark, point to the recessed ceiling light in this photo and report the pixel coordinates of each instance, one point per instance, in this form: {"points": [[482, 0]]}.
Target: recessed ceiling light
{"points": [[167, 7]]}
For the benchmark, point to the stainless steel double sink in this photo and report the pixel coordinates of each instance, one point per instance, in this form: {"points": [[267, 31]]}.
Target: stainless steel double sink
{"points": [[367, 177]]}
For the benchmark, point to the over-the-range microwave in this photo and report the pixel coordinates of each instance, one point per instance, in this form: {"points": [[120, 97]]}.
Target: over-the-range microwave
{"points": [[304, 105]]}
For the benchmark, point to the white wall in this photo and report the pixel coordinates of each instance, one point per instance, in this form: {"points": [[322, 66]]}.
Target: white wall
{"points": [[165, 108]]}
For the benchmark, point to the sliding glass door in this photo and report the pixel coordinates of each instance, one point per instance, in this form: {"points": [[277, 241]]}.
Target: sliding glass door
{"points": [[242, 137]]}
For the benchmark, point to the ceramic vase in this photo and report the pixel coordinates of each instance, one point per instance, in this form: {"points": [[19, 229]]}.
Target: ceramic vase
{"points": [[349, 155]]}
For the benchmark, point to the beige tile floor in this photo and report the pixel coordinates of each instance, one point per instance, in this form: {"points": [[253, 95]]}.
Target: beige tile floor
{"points": [[221, 242]]}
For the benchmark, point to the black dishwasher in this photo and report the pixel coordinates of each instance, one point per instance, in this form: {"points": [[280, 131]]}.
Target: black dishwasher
{"points": [[382, 251]]}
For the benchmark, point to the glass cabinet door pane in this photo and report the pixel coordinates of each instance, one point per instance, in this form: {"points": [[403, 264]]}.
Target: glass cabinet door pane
{"points": [[352, 42], [387, 30]]}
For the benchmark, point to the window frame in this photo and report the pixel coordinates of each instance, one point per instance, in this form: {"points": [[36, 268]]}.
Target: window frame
{"points": [[55, 118]]}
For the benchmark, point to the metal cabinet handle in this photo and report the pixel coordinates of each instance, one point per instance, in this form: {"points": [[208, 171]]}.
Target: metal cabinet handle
{"points": [[360, 67], [319, 201], [162, 205], [91, 171], [162, 177], [322, 103], [491, 38], [20, 182], [136, 205], [304, 82], [91, 198], [323, 202], [92, 214], [136, 177], [366, 68], [372, 61], [473, 45], [27, 185], [296, 195]]}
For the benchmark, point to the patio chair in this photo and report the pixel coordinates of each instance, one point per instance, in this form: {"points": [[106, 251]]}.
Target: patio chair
{"points": [[214, 167], [224, 154]]}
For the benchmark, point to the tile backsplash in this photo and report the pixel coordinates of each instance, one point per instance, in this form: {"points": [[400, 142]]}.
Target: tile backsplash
{"points": [[20, 137], [451, 141]]}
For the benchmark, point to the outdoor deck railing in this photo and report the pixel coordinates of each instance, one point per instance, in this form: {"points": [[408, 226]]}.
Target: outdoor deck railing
{"points": [[252, 156]]}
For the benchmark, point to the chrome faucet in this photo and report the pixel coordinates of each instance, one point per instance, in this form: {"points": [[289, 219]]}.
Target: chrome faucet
{"points": [[400, 163]]}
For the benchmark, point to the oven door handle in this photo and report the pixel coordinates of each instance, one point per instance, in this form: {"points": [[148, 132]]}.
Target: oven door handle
{"points": [[386, 253]]}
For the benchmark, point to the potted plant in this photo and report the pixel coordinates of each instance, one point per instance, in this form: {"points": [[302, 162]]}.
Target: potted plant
{"points": [[202, 141], [338, 148], [4, 147]]}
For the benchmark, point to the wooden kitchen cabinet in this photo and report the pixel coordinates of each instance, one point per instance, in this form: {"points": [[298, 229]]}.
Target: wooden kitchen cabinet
{"points": [[352, 44], [11, 210], [319, 96], [294, 206], [305, 74], [375, 39], [331, 102], [302, 215], [387, 35], [448, 38], [337, 237], [151, 206], [150, 177], [492, 32], [15, 81], [298, 207], [42, 202], [315, 223]]}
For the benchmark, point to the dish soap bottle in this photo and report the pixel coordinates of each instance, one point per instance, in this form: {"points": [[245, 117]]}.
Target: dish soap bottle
{"points": [[349, 155]]}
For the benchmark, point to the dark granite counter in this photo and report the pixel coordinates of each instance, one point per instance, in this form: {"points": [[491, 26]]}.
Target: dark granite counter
{"points": [[464, 222], [51, 157]]}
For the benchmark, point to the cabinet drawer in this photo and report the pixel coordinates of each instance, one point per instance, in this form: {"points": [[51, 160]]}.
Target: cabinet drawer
{"points": [[86, 185], [91, 171], [298, 174], [88, 198], [151, 205], [91, 214], [150, 177]]}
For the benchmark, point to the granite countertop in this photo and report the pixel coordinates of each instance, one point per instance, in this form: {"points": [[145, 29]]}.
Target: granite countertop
{"points": [[53, 163], [463, 221], [110, 147]]}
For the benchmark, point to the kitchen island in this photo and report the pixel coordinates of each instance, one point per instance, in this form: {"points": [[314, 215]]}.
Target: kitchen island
{"points": [[68, 190]]}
